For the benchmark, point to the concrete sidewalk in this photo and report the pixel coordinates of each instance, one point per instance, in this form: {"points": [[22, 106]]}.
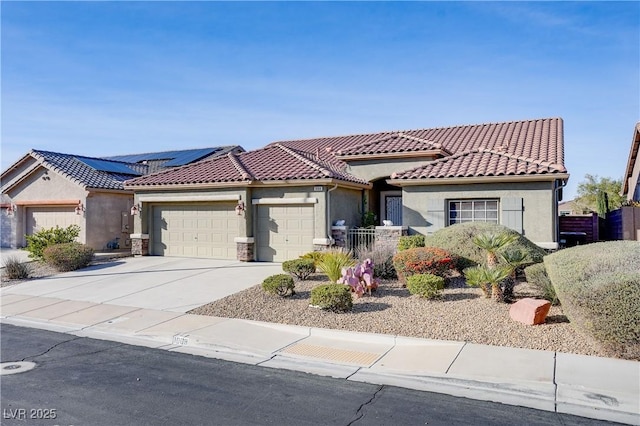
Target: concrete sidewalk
{"points": [[600, 388]]}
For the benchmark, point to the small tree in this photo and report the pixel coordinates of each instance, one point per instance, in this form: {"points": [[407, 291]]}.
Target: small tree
{"points": [[602, 203]]}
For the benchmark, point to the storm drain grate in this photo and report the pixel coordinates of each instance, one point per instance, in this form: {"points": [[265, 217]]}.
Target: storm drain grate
{"points": [[333, 354]]}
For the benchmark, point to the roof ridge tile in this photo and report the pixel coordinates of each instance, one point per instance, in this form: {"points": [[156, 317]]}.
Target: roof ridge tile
{"points": [[239, 167], [306, 161]]}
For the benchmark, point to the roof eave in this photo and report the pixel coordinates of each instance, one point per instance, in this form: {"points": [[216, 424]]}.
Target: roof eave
{"points": [[631, 162], [255, 183], [478, 179]]}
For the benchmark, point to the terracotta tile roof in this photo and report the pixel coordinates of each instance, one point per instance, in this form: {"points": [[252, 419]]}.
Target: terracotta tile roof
{"points": [[536, 141], [494, 149], [480, 162], [391, 143], [272, 163]]}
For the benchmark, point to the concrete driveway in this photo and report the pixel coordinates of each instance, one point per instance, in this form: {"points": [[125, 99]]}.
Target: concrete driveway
{"points": [[173, 284]]}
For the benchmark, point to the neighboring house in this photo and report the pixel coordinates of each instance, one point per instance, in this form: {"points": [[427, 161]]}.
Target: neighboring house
{"points": [[631, 180], [278, 202], [47, 189], [570, 208]]}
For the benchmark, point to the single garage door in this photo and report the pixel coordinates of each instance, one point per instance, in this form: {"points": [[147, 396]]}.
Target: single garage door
{"points": [[284, 232], [39, 218], [195, 230]]}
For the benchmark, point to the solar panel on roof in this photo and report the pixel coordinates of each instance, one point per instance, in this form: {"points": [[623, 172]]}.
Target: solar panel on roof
{"points": [[176, 158], [109, 166]]}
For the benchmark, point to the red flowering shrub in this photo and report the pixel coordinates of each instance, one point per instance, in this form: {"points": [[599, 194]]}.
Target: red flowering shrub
{"points": [[424, 260]]}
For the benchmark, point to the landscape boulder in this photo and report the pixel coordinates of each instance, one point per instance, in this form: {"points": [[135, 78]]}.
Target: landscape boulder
{"points": [[530, 311]]}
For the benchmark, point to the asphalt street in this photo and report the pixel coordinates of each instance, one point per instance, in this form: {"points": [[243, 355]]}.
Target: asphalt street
{"points": [[81, 381]]}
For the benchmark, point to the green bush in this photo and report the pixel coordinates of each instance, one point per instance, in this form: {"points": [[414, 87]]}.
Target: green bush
{"points": [[410, 241], [423, 260], [279, 284], [425, 285], [382, 257], [333, 261], [332, 297], [14, 269], [38, 242], [599, 288], [300, 268], [68, 256], [458, 239], [537, 276]]}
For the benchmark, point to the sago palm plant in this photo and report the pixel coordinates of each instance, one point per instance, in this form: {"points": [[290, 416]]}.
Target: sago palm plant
{"points": [[487, 278], [493, 243], [514, 258]]}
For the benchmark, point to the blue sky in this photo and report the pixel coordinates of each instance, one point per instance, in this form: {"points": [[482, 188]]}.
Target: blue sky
{"points": [[108, 78]]}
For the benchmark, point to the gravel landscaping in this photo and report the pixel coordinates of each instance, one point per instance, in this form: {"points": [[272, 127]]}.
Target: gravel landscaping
{"points": [[462, 314]]}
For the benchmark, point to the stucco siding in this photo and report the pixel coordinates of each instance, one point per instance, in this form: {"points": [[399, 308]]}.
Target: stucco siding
{"points": [[371, 170], [108, 216], [538, 215], [346, 204]]}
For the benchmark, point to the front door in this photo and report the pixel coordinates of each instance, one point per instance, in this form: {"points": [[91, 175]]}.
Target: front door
{"points": [[393, 208]]}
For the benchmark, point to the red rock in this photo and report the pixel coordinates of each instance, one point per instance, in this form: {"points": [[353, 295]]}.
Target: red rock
{"points": [[530, 311]]}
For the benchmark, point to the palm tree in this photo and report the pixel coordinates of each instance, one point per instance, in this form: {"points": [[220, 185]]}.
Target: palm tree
{"points": [[493, 243], [514, 259]]}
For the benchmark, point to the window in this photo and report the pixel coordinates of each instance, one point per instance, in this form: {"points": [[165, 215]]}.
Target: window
{"points": [[473, 211]]}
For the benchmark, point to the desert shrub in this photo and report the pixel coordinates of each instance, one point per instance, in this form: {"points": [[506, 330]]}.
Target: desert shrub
{"points": [[38, 242], [300, 268], [458, 239], [537, 276], [333, 261], [68, 256], [599, 288], [425, 285], [14, 269], [279, 284], [382, 258], [314, 256], [423, 260], [410, 241], [332, 297]]}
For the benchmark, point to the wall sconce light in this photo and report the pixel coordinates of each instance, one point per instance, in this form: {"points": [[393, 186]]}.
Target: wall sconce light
{"points": [[136, 209], [240, 208], [11, 209], [79, 208]]}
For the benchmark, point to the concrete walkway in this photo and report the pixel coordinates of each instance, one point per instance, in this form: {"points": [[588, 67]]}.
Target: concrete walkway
{"points": [[593, 387]]}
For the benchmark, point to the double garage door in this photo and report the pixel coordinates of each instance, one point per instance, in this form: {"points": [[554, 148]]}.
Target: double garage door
{"points": [[208, 230], [195, 230]]}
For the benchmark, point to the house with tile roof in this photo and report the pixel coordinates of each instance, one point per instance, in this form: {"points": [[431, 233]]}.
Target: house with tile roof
{"points": [[283, 200], [631, 179], [46, 189]]}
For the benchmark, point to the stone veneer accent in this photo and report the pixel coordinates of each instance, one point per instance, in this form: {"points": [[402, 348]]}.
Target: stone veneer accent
{"points": [[389, 235], [245, 249], [139, 244], [339, 235]]}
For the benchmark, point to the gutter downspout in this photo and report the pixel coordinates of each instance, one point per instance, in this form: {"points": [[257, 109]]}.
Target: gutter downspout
{"points": [[557, 200], [330, 237]]}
